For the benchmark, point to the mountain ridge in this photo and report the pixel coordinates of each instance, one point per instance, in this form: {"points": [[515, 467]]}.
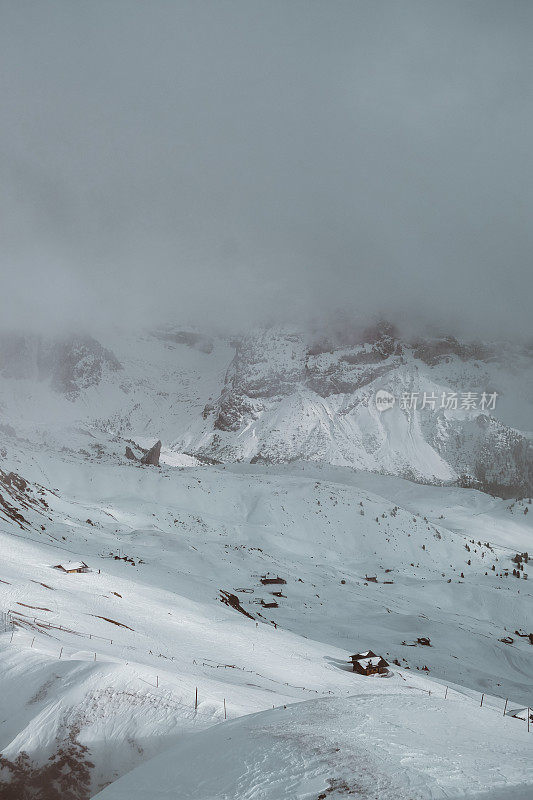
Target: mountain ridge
{"points": [[282, 394]]}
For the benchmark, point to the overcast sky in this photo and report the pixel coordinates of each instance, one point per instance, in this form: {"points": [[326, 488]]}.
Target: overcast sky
{"points": [[237, 162]]}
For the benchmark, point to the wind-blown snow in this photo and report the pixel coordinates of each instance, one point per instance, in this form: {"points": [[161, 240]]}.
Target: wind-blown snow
{"points": [[401, 745]]}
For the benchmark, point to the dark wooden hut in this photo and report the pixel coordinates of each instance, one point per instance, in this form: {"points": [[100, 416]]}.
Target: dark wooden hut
{"points": [[368, 663], [373, 665]]}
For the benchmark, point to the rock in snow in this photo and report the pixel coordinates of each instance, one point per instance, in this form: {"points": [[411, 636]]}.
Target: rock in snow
{"points": [[130, 454], [152, 456]]}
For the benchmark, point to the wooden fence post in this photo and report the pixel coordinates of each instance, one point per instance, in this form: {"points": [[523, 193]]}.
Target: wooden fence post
{"points": [[446, 693], [60, 652], [225, 711], [32, 641], [528, 710], [505, 708], [157, 681], [482, 696], [95, 656], [196, 700]]}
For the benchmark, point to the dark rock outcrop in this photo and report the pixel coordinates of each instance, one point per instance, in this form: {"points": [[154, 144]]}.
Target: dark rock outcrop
{"points": [[233, 601], [152, 456], [69, 363], [130, 454], [17, 495]]}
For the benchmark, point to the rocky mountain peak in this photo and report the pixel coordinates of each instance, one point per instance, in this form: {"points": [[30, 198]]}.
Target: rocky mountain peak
{"points": [[68, 363]]}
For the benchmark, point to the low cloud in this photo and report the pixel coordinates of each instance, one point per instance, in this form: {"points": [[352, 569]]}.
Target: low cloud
{"points": [[243, 162]]}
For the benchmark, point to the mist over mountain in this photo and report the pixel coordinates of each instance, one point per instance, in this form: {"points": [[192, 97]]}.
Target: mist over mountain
{"points": [[266, 399], [461, 410]]}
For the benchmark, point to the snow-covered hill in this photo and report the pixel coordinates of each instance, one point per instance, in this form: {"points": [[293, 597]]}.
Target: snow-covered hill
{"points": [[110, 660], [392, 742]]}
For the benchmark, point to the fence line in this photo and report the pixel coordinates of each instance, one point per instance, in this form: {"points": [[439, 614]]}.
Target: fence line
{"points": [[9, 623]]}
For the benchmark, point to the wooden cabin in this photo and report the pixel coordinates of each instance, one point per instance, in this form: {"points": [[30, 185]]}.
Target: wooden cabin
{"points": [[266, 581], [368, 663], [373, 665], [72, 566]]}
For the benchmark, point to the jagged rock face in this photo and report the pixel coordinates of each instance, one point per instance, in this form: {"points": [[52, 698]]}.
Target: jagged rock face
{"points": [[152, 456], [286, 397], [498, 458], [17, 496], [434, 351], [273, 365], [77, 363], [130, 454], [265, 367], [70, 364]]}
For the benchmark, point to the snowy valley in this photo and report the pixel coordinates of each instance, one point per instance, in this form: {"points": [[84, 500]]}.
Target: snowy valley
{"points": [[172, 655]]}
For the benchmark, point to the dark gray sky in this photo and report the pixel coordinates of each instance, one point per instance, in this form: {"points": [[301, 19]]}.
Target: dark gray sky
{"points": [[234, 161]]}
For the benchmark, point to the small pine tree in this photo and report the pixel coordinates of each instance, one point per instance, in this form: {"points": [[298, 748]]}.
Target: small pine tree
{"points": [[66, 775]]}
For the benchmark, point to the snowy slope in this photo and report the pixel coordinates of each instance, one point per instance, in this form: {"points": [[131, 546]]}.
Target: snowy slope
{"points": [[309, 489], [189, 534], [392, 743]]}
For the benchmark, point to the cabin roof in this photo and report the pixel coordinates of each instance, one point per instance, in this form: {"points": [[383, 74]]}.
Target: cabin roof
{"points": [[70, 565], [366, 654], [373, 661]]}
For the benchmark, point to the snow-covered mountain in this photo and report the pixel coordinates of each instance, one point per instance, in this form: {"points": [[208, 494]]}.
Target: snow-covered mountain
{"points": [[285, 398], [462, 412]]}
